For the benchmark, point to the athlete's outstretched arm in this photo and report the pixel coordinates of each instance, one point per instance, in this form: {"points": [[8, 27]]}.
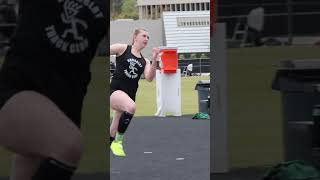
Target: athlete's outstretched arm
{"points": [[150, 69], [117, 49]]}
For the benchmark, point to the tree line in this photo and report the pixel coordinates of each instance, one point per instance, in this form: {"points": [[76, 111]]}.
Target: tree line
{"points": [[123, 9]]}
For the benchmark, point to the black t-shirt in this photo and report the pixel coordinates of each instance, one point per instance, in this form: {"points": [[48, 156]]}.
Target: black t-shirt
{"points": [[51, 52], [59, 31], [129, 69]]}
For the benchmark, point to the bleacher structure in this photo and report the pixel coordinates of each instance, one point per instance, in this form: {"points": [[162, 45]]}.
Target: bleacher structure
{"points": [[153, 9], [189, 32]]}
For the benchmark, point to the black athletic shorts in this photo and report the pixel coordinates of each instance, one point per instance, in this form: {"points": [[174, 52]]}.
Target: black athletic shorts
{"points": [[123, 86], [62, 85]]}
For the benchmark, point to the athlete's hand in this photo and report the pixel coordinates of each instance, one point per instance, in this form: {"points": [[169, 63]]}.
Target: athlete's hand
{"points": [[155, 54]]}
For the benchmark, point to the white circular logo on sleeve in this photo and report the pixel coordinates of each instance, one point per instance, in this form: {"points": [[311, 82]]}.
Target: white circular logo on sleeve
{"points": [[71, 39]]}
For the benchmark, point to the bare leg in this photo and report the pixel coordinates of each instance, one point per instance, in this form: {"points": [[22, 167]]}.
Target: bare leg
{"points": [[120, 102], [115, 123], [24, 167], [32, 126]]}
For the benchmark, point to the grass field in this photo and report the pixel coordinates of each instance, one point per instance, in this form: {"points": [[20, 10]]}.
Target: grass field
{"points": [[254, 110], [146, 96]]}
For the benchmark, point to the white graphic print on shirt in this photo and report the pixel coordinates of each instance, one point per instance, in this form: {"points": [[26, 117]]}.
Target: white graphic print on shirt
{"points": [[132, 72], [73, 26]]}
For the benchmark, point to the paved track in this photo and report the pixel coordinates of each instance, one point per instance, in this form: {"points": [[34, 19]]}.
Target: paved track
{"points": [[170, 148]]}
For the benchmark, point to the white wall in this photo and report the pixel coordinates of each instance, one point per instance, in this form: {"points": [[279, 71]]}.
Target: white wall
{"points": [[121, 32]]}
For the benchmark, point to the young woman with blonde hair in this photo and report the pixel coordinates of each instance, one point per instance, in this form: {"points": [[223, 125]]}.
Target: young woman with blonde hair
{"points": [[130, 65]]}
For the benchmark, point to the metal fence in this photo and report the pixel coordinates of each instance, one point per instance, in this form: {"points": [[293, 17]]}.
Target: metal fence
{"points": [[199, 65]]}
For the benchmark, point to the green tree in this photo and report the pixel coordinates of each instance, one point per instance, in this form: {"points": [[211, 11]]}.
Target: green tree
{"points": [[129, 10], [115, 7]]}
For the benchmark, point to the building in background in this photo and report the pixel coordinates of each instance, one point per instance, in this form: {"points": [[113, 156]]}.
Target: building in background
{"points": [[152, 9], [188, 31]]}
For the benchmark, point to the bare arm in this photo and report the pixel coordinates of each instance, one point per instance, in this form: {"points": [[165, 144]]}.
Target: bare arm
{"points": [[150, 69], [117, 49]]}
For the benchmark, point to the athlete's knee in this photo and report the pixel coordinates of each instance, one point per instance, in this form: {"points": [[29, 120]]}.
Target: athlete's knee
{"points": [[71, 150], [74, 149], [131, 108]]}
